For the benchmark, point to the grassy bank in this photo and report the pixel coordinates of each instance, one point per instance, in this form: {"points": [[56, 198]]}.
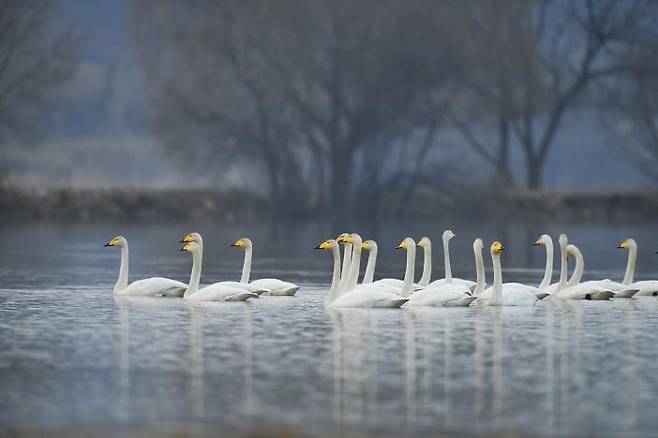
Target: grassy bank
{"points": [[71, 205]]}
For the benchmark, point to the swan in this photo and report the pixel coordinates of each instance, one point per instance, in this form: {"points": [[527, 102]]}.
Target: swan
{"points": [[619, 290], [447, 236], [347, 257], [508, 294], [546, 240], [452, 295], [371, 247], [645, 288], [577, 290], [196, 237], [393, 283], [274, 285], [153, 287], [214, 292], [368, 295]]}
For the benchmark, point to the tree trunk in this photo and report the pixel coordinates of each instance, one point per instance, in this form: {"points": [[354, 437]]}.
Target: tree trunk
{"points": [[504, 176], [341, 169], [535, 173]]}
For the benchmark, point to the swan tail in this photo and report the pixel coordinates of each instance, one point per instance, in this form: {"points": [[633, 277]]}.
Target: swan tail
{"points": [[461, 302], [242, 296], [600, 295], [626, 293], [287, 292], [391, 303], [541, 295]]}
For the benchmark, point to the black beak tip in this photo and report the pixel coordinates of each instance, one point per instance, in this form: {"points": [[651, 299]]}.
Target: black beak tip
{"points": [[107, 244], [318, 247]]}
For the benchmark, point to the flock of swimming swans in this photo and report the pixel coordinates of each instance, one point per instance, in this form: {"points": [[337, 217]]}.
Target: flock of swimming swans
{"points": [[346, 291]]}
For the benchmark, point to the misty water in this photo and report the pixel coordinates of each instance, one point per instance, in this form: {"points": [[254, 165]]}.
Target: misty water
{"points": [[73, 358]]}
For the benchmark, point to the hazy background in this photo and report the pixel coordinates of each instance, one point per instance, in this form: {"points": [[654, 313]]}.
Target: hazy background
{"points": [[318, 105]]}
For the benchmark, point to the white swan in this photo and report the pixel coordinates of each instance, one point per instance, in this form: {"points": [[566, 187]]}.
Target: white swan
{"points": [[274, 285], [452, 295], [546, 240], [213, 292], [394, 283], [196, 237], [347, 257], [645, 288], [447, 236], [574, 290], [148, 287], [367, 295], [371, 247], [507, 294]]}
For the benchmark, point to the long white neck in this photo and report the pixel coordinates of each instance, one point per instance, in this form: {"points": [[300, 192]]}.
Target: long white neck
{"points": [[446, 259], [564, 267], [347, 259], [355, 266], [409, 271], [122, 281], [497, 293], [630, 266], [246, 266], [195, 276], [370, 267], [479, 272], [578, 270], [548, 271], [335, 279], [427, 264]]}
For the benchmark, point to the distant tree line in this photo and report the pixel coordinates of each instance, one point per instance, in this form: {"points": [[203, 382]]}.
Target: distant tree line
{"points": [[333, 104]]}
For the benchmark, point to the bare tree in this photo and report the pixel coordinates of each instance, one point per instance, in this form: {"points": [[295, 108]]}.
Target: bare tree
{"points": [[34, 59]]}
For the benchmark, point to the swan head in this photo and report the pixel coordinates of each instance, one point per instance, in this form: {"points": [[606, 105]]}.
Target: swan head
{"points": [[353, 239], [190, 247], [327, 245], [343, 238], [117, 241], [496, 248], [563, 240], [627, 244], [245, 242], [572, 250], [192, 237], [448, 234], [478, 245], [541, 240], [407, 243], [425, 242], [369, 245]]}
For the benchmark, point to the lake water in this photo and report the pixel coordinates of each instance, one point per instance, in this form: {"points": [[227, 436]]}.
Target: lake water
{"points": [[76, 360]]}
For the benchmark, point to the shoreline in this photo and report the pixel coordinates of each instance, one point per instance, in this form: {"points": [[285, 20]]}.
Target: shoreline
{"points": [[21, 205]]}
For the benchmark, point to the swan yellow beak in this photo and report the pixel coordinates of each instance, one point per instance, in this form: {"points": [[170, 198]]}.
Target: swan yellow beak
{"points": [[186, 247], [324, 245], [187, 239], [239, 243], [402, 245], [365, 245], [112, 242], [623, 245], [345, 239], [538, 242], [496, 247]]}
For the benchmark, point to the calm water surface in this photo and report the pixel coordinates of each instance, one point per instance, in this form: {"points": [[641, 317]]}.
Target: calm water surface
{"points": [[75, 358]]}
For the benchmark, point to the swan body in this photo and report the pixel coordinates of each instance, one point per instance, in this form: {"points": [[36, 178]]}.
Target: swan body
{"points": [[214, 292], [508, 294], [447, 236], [452, 295], [196, 237], [148, 287], [392, 283], [271, 286], [645, 288], [365, 295], [448, 295]]}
